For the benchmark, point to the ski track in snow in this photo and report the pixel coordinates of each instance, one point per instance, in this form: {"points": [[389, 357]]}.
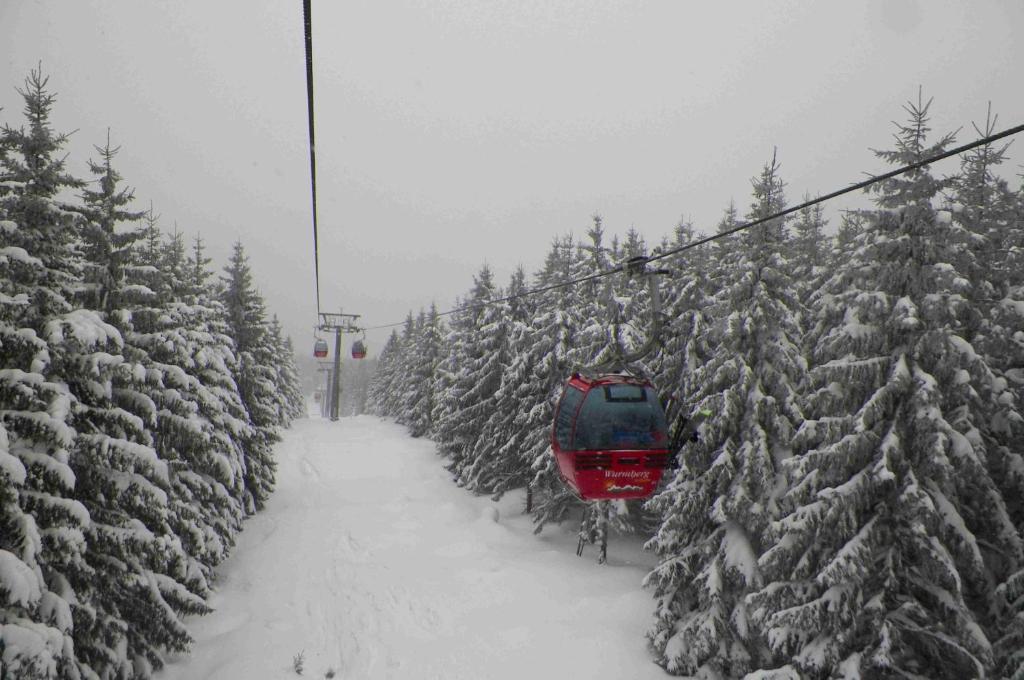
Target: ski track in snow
{"points": [[372, 564]]}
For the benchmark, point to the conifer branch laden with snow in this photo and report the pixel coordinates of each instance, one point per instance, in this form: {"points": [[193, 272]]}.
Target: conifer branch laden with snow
{"points": [[853, 508], [127, 448]]}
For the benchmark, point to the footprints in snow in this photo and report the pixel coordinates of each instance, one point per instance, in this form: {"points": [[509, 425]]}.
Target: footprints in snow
{"points": [[308, 468]]}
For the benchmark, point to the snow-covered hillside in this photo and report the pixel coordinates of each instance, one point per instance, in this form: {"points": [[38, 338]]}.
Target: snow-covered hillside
{"points": [[369, 563]]}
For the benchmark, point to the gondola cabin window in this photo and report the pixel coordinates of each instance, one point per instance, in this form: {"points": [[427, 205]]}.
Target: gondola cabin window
{"points": [[567, 409], [620, 417]]}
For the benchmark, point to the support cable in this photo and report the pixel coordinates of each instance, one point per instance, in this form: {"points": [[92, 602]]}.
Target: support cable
{"points": [[308, 21], [874, 179]]}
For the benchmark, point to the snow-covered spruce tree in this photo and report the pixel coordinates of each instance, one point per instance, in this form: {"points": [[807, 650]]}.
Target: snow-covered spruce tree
{"points": [[427, 346], [293, 377], [202, 424], [33, 642], [246, 316], [495, 338], [987, 210], [730, 220], [106, 250], [484, 371], [137, 590], [469, 373], [687, 295], [130, 598], [991, 213], [1009, 469], [553, 353], [291, 403], [718, 509], [810, 249], [400, 390], [379, 393], [43, 542], [403, 390], [501, 467], [20, 583], [150, 250], [851, 226], [600, 303], [178, 334], [882, 561]]}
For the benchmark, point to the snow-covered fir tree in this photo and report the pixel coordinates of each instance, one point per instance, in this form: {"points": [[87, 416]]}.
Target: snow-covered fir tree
{"points": [[688, 295], [988, 211], [291, 403], [858, 517], [500, 466], [40, 269], [205, 425], [851, 226], [409, 363], [426, 350], [181, 340], [552, 355], [718, 509], [883, 559], [810, 248], [494, 339], [134, 610], [246, 316], [479, 402], [380, 393], [469, 372], [123, 433]]}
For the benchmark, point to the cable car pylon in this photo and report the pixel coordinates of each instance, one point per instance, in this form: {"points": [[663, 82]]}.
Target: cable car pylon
{"points": [[339, 323]]}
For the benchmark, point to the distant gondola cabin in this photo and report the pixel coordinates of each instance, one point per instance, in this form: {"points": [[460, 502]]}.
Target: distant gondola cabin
{"points": [[320, 349], [358, 349], [610, 436]]}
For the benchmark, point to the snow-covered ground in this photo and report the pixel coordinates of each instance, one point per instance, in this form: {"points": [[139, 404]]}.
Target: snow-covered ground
{"points": [[370, 563]]}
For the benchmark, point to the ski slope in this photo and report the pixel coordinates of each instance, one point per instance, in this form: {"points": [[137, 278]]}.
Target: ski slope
{"points": [[368, 562]]}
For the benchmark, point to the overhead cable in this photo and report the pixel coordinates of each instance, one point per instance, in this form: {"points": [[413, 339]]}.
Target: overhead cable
{"points": [[308, 21], [874, 179]]}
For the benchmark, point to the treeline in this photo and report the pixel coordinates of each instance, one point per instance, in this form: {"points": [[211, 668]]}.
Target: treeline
{"points": [[139, 401], [854, 507]]}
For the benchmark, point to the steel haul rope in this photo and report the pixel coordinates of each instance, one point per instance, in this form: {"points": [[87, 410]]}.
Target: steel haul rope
{"points": [[308, 21], [874, 179]]}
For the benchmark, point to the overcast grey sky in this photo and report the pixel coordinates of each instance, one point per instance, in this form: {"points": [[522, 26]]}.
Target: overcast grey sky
{"points": [[456, 132]]}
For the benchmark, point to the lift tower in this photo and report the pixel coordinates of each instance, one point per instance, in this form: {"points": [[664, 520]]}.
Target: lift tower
{"points": [[339, 323]]}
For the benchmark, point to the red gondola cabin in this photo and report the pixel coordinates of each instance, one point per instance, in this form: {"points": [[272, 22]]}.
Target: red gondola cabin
{"points": [[610, 437], [320, 349], [358, 350]]}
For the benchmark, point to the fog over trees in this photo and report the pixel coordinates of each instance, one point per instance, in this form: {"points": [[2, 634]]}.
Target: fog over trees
{"points": [[140, 398], [854, 506]]}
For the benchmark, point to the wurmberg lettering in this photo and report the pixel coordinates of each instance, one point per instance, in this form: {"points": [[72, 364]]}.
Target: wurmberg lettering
{"points": [[628, 474]]}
